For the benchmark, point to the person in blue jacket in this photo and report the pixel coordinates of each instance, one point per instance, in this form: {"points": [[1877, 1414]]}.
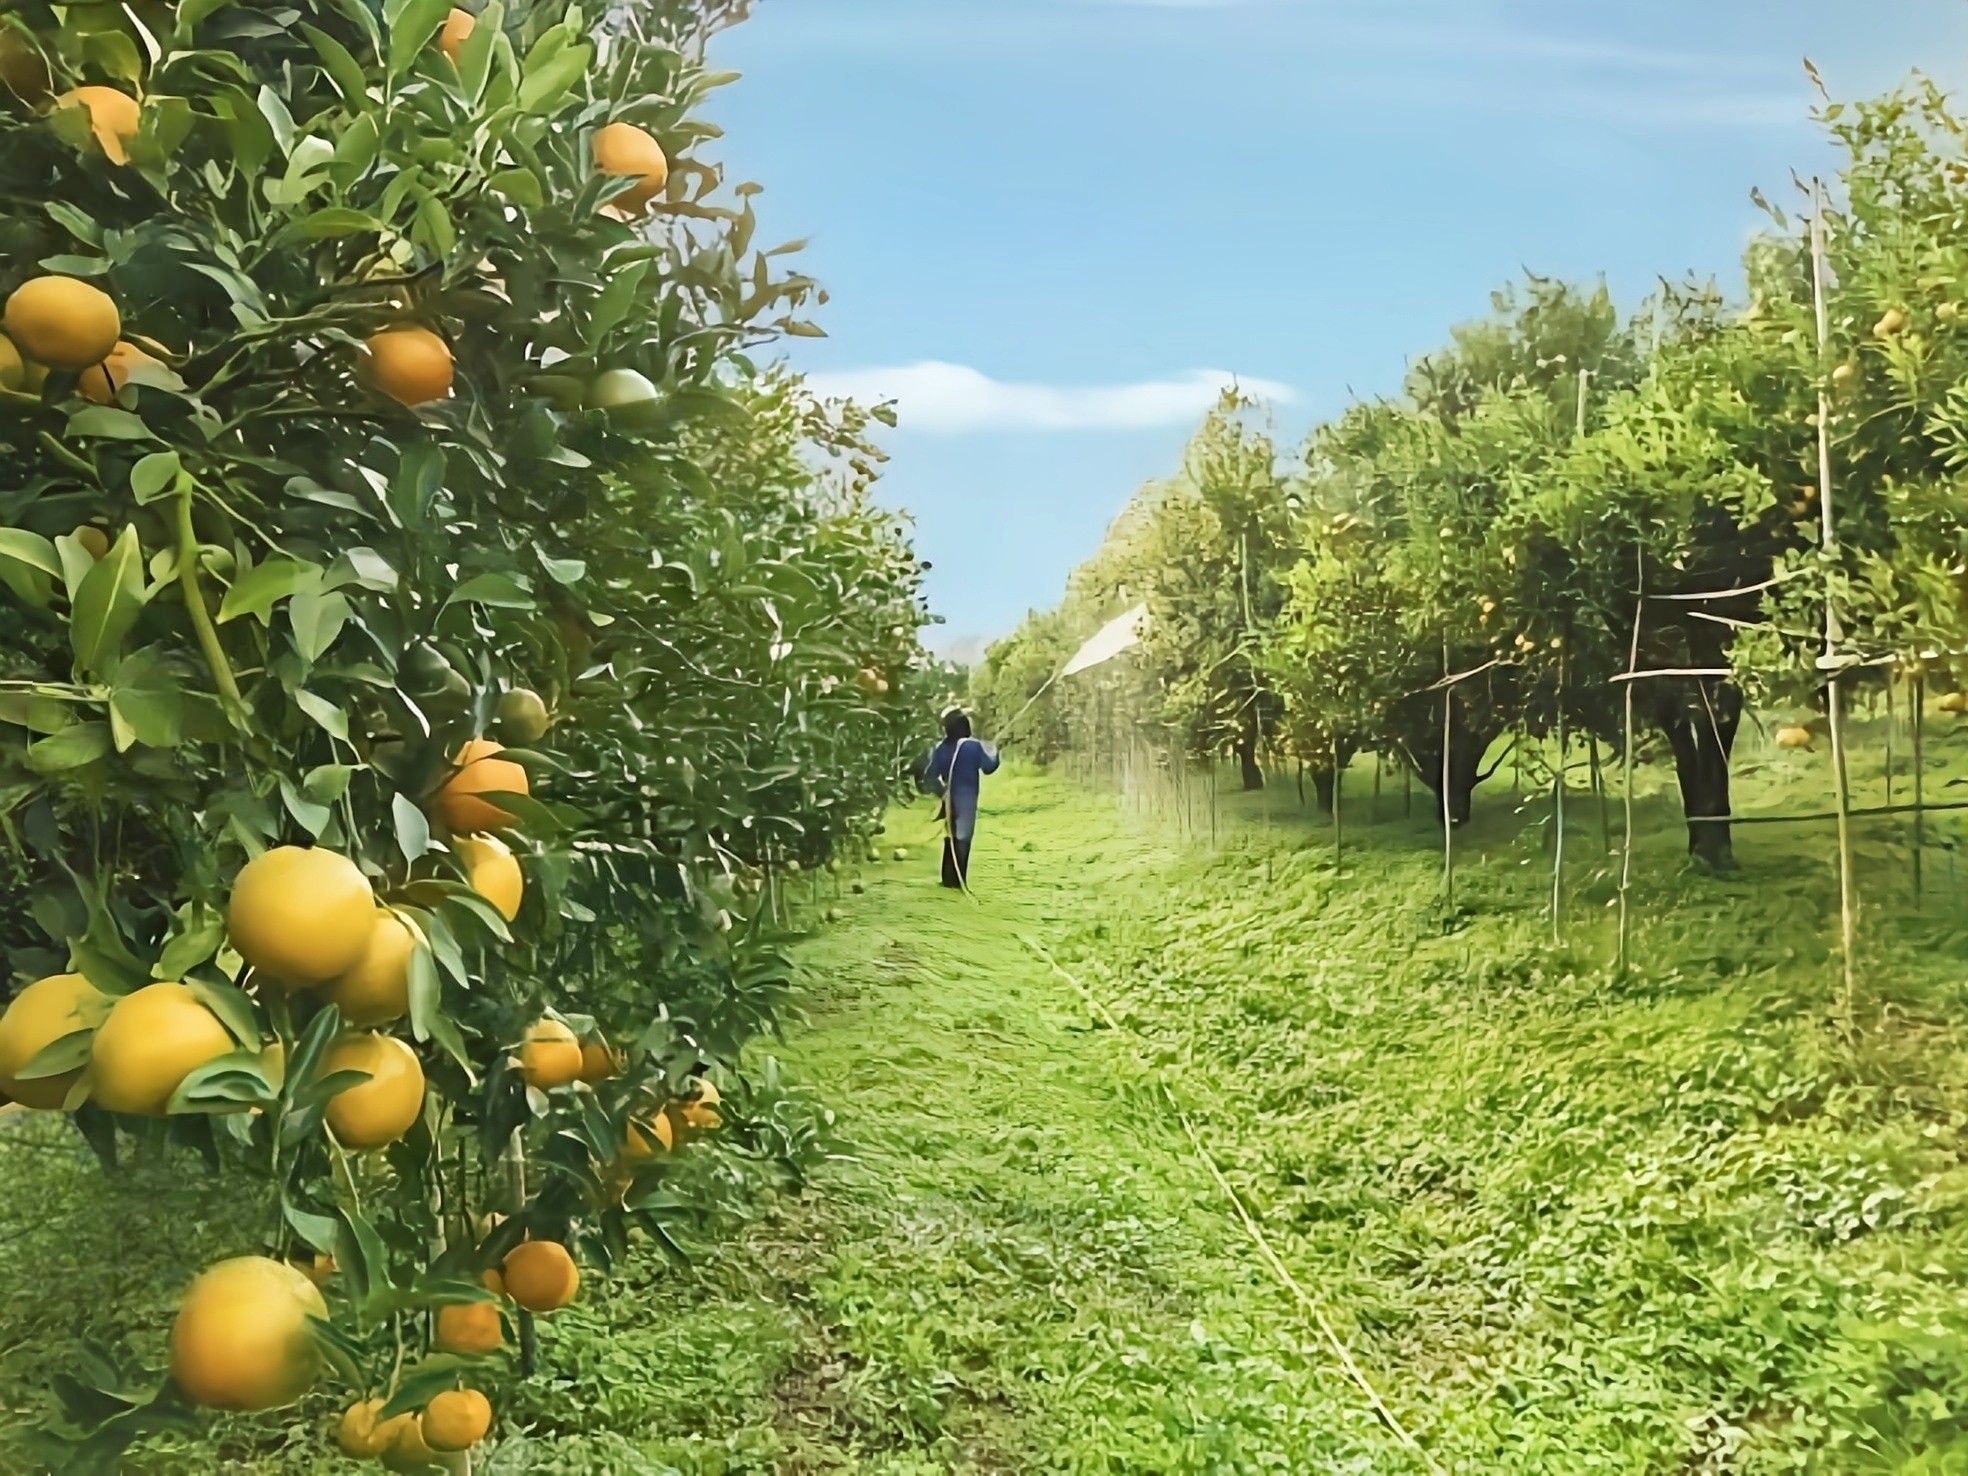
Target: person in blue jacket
{"points": [[954, 771]]}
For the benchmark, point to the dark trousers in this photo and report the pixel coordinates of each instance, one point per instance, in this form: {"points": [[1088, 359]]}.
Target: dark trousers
{"points": [[956, 861]]}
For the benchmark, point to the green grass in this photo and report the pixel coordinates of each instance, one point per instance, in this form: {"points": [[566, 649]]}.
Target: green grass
{"points": [[1566, 1221]]}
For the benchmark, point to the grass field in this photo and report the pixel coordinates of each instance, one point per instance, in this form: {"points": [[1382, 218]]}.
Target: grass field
{"points": [[1564, 1221]]}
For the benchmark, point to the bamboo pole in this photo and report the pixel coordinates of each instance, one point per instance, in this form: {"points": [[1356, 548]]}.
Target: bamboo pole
{"points": [[1448, 828], [1558, 816], [1917, 700], [1339, 784], [1626, 761], [1847, 901]]}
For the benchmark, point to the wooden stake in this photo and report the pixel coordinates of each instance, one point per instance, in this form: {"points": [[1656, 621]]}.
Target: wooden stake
{"points": [[1448, 830], [1558, 813]]}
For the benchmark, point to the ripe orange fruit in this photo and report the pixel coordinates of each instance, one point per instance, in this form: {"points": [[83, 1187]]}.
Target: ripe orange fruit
{"points": [[469, 1328], [149, 1042], [40, 1015], [1793, 735], [13, 368], [303, 916], [377, 989], [477, 772], [101, 382], [62, 323], [359, 1435], [242, 1339], [411, 365], [493, 872], [550, 1056], [457, 29], [457, 1420], [383, 1108], [493, 1281], [629, 152], [114, 117], [541, 1276], [598, 1061]]}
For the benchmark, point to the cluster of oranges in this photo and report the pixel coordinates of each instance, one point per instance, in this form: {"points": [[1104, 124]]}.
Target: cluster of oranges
{"points": [[63, 323]]}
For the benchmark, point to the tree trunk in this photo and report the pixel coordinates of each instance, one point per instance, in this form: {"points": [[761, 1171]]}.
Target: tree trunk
{"points": [[1465, 767], [1701, 729], [1322, 785], [1247, 757]]}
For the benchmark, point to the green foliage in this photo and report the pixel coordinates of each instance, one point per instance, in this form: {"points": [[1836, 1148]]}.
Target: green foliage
{"points": [[313, 595]]}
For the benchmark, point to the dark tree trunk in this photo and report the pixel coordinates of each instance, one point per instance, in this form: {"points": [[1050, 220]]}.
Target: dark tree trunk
{"points": [[1700, 727], [1467, 746], [1247, 757], [1322, 777]]}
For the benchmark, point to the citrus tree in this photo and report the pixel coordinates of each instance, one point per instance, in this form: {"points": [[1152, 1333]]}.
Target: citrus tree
{"points": [[428, 633]]}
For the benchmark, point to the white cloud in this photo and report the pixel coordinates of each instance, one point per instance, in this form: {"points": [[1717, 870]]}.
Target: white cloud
{"points": [[953, 399]]}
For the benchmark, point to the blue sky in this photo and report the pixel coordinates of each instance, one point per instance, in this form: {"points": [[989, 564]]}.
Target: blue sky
{"points": [[1049, 227]]}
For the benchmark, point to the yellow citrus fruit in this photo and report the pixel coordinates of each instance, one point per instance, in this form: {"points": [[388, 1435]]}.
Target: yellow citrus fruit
{"points": [[598, 1061], [1791, 735], [629, 152], [407, 1450], [411, 365], [522, 716], [1891, 323], [101, 382], [62, 323], [149, 1042], [477, 772], [493, 1281], [377, 989], [40, 1015], [698, 1110], [550, 1056], [359, 1435], [644, 1136], [302, 915], [541, 1276], [13, 368], [493, 872], [457, 29], [114, 117], [242, 1339], [469, 1327], [457, 1419], [383, 1108]]}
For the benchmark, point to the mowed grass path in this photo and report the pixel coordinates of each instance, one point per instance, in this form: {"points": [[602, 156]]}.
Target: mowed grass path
{"points": [[1018, 1264]]}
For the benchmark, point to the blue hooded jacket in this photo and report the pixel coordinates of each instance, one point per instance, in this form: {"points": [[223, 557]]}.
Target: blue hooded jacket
{"points": [[955, 771]]}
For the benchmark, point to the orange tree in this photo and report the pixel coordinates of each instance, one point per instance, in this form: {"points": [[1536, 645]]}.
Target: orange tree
{"points": [[425, 627]]}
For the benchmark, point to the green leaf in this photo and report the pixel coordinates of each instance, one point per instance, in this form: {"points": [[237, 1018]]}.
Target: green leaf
{"points": [[234, 1082], [64, 1054], [234, 1009], [311, 817], [317, 619], [69, 749], [154, 476], [196, 941], [342, 68], [29, 566], [426, 991], [413, 836], [263, 586], [318, 1231], [107, 604], [327, 784], [503, 591], [330, 717], [107, 423], [412, 24]]}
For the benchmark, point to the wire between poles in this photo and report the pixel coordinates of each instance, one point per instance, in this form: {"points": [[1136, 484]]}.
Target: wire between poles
{"points": [[1272, 1261]]}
